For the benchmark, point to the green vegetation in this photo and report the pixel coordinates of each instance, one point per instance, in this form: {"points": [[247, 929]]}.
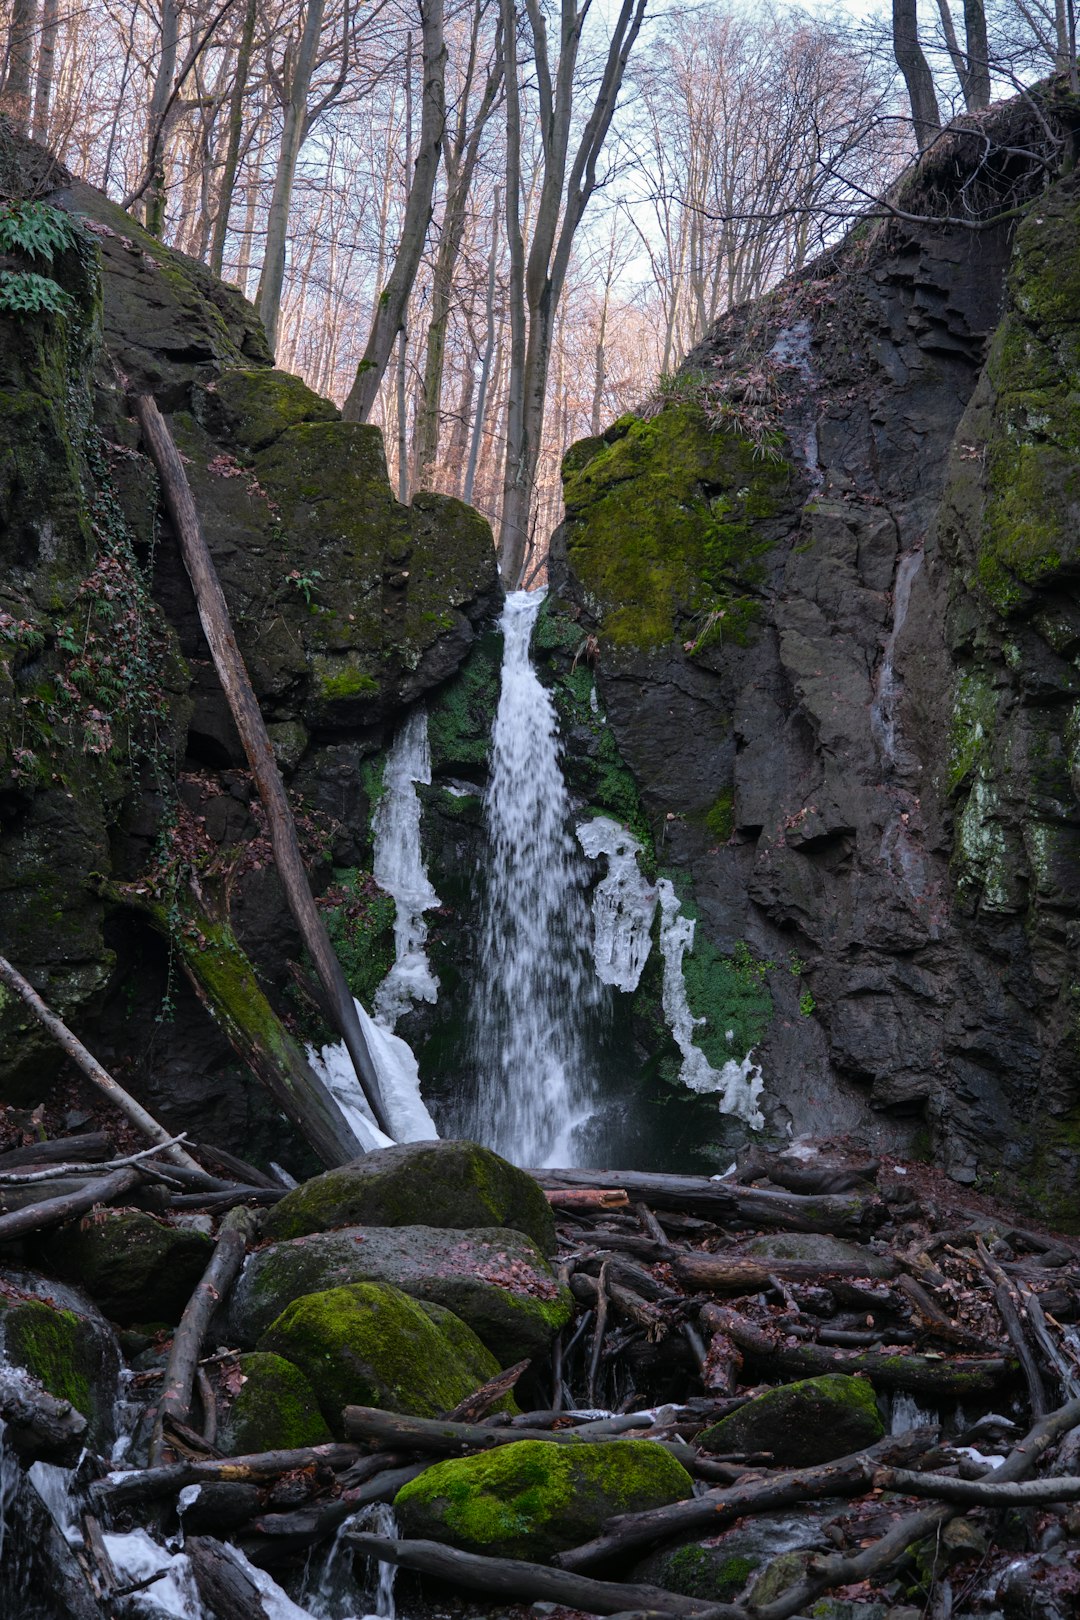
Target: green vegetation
{"points": [[462, 713], [359, 918], [729, 993], [665, 528], [34, 230], [720, 817], [275, 1408]]}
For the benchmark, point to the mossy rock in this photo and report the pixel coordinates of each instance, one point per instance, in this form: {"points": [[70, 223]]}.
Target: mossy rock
{"points": [[447, 1184], [496, 1281], [134, 1266], [276, 1409], [778, 1576], [802, 1424], [669, 521], [63, 1342], [534, 1499], [369, 1344], [697, 1571], [258, 405]]}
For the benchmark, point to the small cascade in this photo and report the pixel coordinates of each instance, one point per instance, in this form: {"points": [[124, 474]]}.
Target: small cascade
{"points": [[906, 1414], [883, 710], [739, 1083], [792, 349], [536, 983], [399, 870], [623, 904]]}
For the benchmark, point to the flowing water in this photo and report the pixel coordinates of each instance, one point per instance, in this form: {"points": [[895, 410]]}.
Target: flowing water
{"points": [[884, 709], [536, 983]]}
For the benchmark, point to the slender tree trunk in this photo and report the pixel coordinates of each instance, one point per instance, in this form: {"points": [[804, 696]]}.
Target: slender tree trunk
{"points": [[232, 149], [154, 206], [402, 418], [294, 130], [46, 69], [917, 76], [21, 34], [489, 349], [978, 54], [394, 298]]}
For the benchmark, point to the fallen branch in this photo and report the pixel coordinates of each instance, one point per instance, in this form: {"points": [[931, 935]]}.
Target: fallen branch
{"points": [[587, 1198], [216, 1280], [98, 1076], [717, 1274], [51, 1211], [447, 1439], [843, 1214], [482, 1400], [986, 1493], [243, 705], [150, 1484], [513, 1578]]}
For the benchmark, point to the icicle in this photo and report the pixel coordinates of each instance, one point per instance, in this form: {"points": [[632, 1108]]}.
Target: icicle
{"points": [[399, 870], [623, 904]]}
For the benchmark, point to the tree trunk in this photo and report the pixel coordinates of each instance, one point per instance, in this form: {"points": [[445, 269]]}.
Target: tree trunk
{"points": [[485, 364], [154, 207], [294, 130], [214, 617], [917, 76], [232, 150], [394, 298], [46, 69]]}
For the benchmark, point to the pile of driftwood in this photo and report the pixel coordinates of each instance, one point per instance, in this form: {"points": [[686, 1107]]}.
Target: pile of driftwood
{"points": [[943, 1305]]}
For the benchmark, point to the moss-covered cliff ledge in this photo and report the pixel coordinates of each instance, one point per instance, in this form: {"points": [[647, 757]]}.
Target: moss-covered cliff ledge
{"points": [[667, 523]]}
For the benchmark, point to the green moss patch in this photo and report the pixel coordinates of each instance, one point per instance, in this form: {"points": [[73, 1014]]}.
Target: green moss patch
{"points": [[369, 1344], [137, 1268], [664, 527], [533, 1499], [276, 1409], [802, 1424]]}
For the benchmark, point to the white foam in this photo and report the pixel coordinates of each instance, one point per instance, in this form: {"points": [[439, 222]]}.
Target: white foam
{"points": [[399, 1082], [739, 1084], [399, 870], [623, 904], [135, 1556]]}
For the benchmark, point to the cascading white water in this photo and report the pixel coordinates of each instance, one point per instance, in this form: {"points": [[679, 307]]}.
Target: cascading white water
{"points": [[883, 710], [399, 869], [536, 982]]}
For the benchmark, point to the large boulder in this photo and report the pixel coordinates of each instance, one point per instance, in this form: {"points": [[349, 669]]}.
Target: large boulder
{"points": [[275, 1409], [369, 1344], [137, 1268], [63, 1340], [448, 1184], [496, 1281], [534, 1499], [805, 1423]]}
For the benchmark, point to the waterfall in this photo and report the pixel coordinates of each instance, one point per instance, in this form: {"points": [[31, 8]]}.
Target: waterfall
{"points": [[399, 870], [536, 983], [883, 710]]}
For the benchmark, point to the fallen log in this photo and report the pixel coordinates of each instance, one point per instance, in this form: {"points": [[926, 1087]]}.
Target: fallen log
{"points": [[224, 1586], [845, 1215], [219, 1276], [91, 1068], [244, 707], [587, 1198], [925, 1375], [121, 1489], [480, 1402], [51, 1211], [979, 1492], [307, 1525], [718, 1274], [37, 1424], [512, 1578], [443, 1438], [89, 1147]]}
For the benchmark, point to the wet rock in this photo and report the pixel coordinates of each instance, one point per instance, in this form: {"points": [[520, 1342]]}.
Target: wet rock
{"points": [[533, 1499], [275, 1409], [804, 1423], [496, 1281], [720, 1568], [445, 1184], [63, 1340], [137, 1268], [371, 1345]]}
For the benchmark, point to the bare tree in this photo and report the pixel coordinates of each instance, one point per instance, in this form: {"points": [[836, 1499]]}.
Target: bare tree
{"points": [[911, 61]]}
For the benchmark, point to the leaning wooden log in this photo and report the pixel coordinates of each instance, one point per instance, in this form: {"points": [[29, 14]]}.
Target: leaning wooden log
{"points": [[91, 1068], [955, 1378], [825, 1573], [1007, 1305], [847, 1476], [718, 1274], [846, 1215], [151, 1484], [211, 1289], [226, 1589], [217, 627], [513, 1579], [51, 1211], [37, 1424], [439, 1437], [979, 1492], [483, 1400]]}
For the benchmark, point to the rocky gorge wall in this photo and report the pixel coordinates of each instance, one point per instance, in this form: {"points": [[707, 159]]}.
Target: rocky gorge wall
{"points": [[838, 652]]}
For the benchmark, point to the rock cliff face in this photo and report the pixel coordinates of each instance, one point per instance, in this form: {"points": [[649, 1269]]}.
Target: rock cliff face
{"points": [[846, 679], [118, 757]]}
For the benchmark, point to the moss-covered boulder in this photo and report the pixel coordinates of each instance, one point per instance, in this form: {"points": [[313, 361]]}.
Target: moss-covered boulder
{"points": [[63, 1341], [369, 1344], [718, 1569], [496, 1281], [276, 1409], [137, 1268], [534, 1499], [805, 1423], [447, 1184], [666, 520]]}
